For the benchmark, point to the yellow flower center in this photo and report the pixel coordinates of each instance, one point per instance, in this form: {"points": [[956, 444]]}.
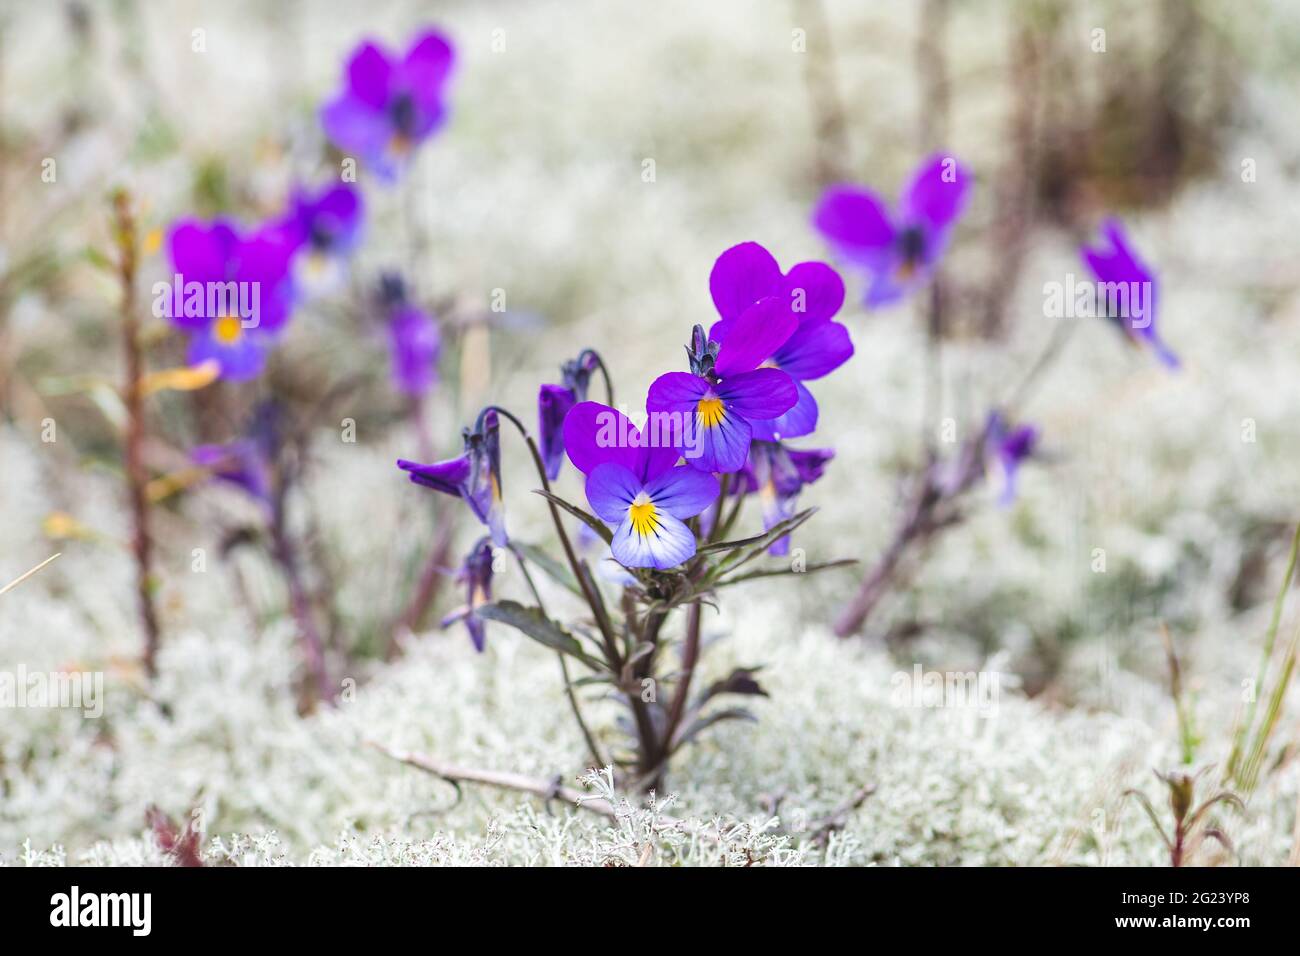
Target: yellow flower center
{"points": [[227, 330], [711, 412], [644, 517]]}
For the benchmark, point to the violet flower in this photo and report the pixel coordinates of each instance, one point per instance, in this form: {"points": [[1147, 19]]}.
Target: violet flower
{"points": [[324, 228], [413, 337], [231, 293], [1128, 290], [475, 475], [709, 410], [553, 404], [390, 105], [898, 252], [778, 474], [1009, 447], [637, 487], [476, 575], [746, 274]]}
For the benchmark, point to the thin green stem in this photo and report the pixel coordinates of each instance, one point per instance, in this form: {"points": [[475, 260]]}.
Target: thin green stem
{"points": [[564, 668]]}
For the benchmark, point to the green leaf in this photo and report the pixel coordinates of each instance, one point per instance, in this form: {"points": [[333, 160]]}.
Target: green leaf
{"points": [[554, 569], [751, 548], [590, 520], [531, 621], [774, 572]]}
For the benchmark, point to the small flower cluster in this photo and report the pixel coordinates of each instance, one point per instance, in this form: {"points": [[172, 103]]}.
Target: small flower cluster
{"points": [[387, 107]]}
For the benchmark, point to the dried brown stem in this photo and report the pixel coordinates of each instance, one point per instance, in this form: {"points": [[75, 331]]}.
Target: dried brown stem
{"points": [[124, 229]]}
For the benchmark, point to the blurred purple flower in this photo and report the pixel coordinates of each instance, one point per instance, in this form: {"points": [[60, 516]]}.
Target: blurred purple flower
{"points": [[1127, 290], [746, 274], [324, 228], [475, 475], [388, 106], [231, 293], [553, 404], [636, 487], [1009, 447], [414, 340], [248, 461], [900, 252]]}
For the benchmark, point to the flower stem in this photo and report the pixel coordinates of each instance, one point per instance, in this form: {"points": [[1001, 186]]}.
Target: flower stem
{"points": [[136, 478]]}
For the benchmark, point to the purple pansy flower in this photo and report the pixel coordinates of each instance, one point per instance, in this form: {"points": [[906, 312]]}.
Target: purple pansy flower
{"points": [[814, 292], [1128, 290], [413, 337], [476, 575], [474, 475], [709, 410], [1009, 447], [777, 474], [898, 252], [231, 293], [637, 487], [388, 106], [553, 404], [324, 228]]}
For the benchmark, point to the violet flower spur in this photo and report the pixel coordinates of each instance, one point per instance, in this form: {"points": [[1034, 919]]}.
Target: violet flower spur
{"points": [[778, 474], [388, 106], [475, 475], [232, 294], [1127, 290], [898, 252], [709, 410], [476, 575], [746, 274], [553, 404], [324, 228], [637, 487]]}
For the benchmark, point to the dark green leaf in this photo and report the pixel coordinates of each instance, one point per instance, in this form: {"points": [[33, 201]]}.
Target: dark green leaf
{"points": [[590, 520], [774, 572], [538, 626]]}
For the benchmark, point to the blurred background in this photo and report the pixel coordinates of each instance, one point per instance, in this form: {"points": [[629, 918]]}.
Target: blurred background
{"points": [[1175, 118]]}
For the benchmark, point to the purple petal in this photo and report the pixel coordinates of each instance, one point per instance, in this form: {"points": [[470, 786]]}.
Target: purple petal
{"points": [[853, 220], [355, 127], [676, 392], [683, 492], [241, 357], [553, 404], [447, 476], [762, 393], [669, 544], [425, 70], [799, 420], [741, 276], [755, 335], [370, 73], [815, 349], [810, 463], [722, 446], [595, 434], [815, 286], [415, 344], [611, 489], [937, 194]]}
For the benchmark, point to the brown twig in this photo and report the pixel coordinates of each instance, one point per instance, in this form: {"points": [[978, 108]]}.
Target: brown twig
{"points": [[548, 790], [124, 228]]}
